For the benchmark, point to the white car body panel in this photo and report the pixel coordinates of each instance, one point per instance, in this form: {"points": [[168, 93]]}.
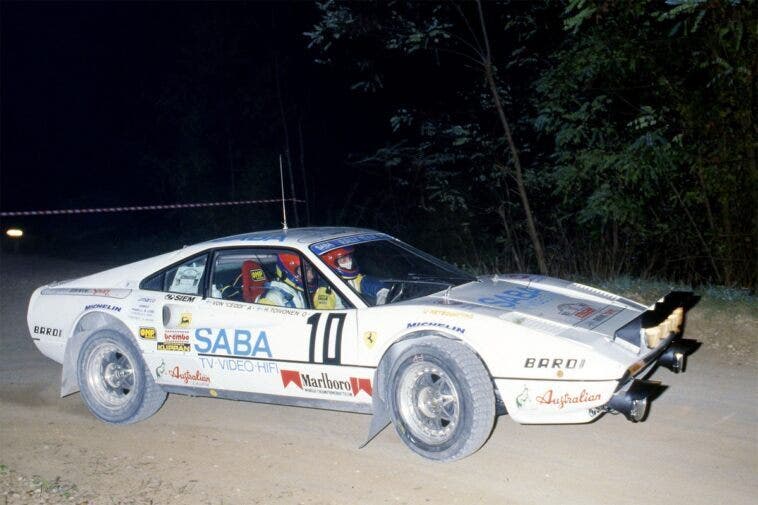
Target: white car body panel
{"points": [[548, 344]]}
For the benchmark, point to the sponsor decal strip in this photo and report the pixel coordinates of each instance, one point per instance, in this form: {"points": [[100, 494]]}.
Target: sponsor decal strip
{"points": [[45, 330], [185, 376], [550, 398], [328, 245], [560, 363], [147, 333], [325, 384], [173, 346], [110, 293], [103, 306], [437, 325], [510, 298], [239, 365], [299, 362], [180, 297]]}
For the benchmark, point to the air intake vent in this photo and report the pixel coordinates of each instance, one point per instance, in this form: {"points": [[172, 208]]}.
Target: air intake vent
{"points": [[595, 291]]}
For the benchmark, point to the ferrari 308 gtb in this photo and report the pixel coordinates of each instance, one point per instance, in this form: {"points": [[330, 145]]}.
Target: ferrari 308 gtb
{"points": [[355, 320]]}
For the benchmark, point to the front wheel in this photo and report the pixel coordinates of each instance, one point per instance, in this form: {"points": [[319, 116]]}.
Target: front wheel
{"points": [[113, 380], [442, 399]]}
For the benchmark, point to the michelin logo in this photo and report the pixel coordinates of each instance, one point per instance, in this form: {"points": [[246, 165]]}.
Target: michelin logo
{"points": [[438, 325]]}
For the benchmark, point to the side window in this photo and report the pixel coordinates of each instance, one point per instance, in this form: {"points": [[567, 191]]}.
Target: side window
{"points": [[321, 293], [186, 278], [243, 275], [271, 277]]}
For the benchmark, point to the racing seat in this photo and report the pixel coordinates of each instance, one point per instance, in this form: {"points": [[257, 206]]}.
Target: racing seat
{"points": [[253, 280]]}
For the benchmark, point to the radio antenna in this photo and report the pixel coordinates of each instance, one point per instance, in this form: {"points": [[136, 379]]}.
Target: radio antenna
{"points": [[284, 208]]}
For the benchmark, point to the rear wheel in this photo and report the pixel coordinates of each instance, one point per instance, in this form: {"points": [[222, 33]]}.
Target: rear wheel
{"points": [[113, 380], [442, 400]]}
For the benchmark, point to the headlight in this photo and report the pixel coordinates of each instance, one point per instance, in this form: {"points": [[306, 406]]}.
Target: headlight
{"points": [[673, 323]]}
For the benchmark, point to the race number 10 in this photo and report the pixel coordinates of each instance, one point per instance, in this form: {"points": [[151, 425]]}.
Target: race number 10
{"points": [[331, 336]]}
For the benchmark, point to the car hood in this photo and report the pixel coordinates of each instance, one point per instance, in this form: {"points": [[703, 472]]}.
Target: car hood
{"points": [[553, 304]]}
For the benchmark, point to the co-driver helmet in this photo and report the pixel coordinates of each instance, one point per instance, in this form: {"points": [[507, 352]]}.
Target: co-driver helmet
{"points": [[288, 269]]}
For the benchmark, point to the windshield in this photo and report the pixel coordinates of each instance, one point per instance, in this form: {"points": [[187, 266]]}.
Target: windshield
{"points": [[384, 271]]}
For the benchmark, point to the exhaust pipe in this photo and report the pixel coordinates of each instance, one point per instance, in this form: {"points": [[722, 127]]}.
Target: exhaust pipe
{"points": [[633, 402], [675, 357]]}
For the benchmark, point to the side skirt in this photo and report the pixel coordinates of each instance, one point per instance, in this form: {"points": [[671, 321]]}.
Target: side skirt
{"points": [[360, 408]]}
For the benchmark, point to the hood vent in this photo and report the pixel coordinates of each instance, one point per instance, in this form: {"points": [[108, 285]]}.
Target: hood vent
{"points": [[595, 291]]}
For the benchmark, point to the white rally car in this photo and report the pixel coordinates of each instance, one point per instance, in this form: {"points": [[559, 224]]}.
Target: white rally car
{"points": [[353, 319]]}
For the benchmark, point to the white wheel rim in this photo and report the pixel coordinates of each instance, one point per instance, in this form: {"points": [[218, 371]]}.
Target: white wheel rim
{"points": [[429, 403], [110, 374]]}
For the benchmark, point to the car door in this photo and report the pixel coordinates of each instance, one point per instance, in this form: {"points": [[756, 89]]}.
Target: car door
{"points": [[259, 334]]}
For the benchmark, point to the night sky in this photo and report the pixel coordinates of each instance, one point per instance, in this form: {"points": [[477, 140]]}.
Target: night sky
{"points": [[117, 104], [95, 96]]}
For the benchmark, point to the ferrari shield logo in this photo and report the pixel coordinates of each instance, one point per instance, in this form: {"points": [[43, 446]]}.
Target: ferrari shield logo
{"points": [[369, 338]]}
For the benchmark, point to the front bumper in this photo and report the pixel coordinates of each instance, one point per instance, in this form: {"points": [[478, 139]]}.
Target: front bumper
{"points": [[665, 318], [534, 401], [531, 401]]}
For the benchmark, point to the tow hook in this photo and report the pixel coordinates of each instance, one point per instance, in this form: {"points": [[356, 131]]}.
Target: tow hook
{"points": [[633, 402]]}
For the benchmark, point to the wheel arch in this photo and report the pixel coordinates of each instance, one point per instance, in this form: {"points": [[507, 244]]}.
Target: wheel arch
{"points": [[86, 325], [380, 406]]}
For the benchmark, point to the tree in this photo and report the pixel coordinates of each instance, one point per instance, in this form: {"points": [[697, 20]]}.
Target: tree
{"points": [[459, 42], [650, 109]]}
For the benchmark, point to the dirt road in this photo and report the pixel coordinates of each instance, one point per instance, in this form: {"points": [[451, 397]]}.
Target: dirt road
{"points": [[699, 445]]}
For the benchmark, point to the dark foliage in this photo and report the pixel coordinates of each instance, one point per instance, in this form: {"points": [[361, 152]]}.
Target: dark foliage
{"points": [[634, 120], [626, 127]]}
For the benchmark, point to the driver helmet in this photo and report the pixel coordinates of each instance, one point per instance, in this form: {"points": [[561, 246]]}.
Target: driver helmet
{"points": [[341, 260], [288, 270]]}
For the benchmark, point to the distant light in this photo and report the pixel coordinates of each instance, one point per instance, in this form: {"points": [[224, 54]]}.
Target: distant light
{"points": [[14, 233]]}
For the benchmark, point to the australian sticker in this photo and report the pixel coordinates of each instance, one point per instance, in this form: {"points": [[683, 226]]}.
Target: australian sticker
{"points": [[186, 376], [549, 398]]}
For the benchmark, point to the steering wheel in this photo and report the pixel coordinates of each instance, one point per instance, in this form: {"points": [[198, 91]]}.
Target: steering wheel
{"points": [[231, 291], [396, 291]]}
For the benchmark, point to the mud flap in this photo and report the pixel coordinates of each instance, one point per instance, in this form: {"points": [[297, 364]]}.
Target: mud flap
{"points": [[379, 421], [379, 406], [69, 380], [380, 399]]}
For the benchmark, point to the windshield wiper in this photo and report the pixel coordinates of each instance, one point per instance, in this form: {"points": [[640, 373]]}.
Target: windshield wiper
{"points": [[447, 279], [439, 282]]}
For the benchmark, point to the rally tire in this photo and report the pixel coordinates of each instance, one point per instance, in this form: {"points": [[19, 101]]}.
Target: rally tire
{"points": [[113, 380], [442, 402]]}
